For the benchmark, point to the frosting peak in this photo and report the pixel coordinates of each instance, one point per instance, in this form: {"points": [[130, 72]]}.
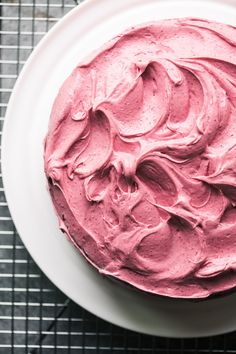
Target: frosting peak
{"points": [[141, 157]]}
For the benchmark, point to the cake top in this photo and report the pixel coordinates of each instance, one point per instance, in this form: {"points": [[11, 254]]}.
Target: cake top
{"points": [[141, 157]]}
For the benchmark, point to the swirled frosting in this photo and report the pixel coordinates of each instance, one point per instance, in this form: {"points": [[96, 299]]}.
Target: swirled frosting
{"points": [[141, 157]]}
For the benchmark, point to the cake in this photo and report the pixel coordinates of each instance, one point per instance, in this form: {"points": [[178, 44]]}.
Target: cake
{"points": [[140, 158]]}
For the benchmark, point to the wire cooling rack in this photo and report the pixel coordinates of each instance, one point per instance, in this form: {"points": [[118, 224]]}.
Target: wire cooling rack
{"points": [[35, 317]]}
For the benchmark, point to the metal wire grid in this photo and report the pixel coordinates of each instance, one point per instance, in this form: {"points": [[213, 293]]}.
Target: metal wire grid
{"points": [[35, 317]]}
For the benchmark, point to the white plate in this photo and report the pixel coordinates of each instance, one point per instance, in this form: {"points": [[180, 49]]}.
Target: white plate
{"points": [[86, 27]]}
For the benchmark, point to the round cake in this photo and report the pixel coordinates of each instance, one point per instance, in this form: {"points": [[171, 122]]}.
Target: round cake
{"points": [[140, 158]]}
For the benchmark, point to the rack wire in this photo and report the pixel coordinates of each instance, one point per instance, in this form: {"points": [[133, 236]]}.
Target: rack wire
{"points": [[35, 317]]}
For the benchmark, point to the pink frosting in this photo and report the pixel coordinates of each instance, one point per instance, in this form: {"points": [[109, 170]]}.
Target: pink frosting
{"points": [[141, 157]]}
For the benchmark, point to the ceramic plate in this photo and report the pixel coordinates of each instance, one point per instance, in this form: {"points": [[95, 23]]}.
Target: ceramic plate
{"points": [[85, 28]]}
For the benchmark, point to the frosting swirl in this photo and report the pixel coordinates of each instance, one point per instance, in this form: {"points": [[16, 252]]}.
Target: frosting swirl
{"points": [[141, 157]]}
